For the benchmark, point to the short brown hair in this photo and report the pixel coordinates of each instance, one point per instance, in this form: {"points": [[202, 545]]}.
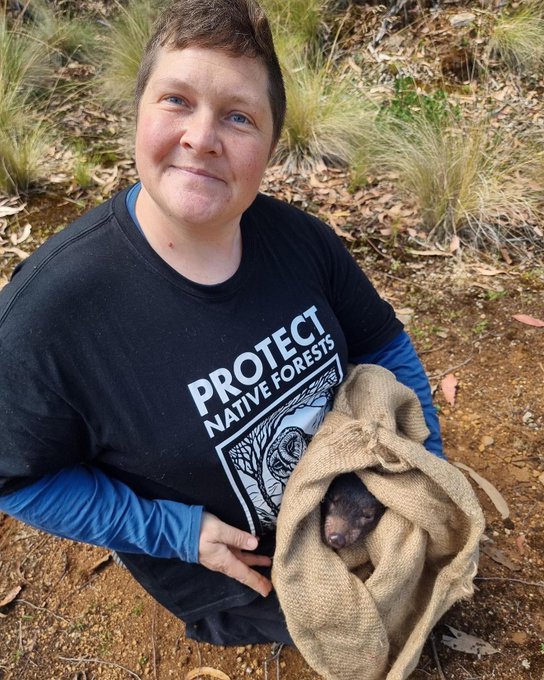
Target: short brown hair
{"points": [[238, 27]]}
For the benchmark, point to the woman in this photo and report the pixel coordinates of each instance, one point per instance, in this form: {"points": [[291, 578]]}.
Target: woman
{"points": [[167, 357]]}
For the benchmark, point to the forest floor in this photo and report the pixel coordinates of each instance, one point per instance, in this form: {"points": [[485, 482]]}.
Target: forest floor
{"points": [[67, 612]]}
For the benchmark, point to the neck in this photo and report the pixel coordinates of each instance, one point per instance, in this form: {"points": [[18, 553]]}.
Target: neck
{"points": [[204, 254]]}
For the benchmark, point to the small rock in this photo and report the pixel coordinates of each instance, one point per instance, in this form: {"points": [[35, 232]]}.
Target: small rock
{"points": [[486, 441], [462, 19]]}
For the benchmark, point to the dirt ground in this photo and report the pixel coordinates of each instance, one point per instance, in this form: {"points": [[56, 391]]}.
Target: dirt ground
{"points": [[78, 616]]}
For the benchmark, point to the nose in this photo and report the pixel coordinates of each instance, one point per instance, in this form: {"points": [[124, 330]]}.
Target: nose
{"points": [[336, 541], [201, 134]]}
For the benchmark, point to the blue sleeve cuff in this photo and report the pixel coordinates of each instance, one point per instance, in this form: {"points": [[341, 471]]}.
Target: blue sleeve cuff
{"points": [[84, 504], [400, 357]]}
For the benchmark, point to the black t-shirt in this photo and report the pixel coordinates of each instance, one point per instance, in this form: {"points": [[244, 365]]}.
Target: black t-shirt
{"points": [[202, 394]]}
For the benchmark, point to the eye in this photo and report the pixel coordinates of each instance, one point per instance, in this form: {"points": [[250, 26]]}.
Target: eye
{"points": [[173, 99], [239, 118]]}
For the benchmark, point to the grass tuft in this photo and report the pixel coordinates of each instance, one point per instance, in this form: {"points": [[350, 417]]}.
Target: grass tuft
{"points": [[328, 118], [299, 18], [66, 36], [24, 134], [128, 34], [24, 147], [468, 179], [518, 38]]}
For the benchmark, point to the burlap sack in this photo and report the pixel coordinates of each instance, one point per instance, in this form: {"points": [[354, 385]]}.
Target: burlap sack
{"points": [[365, 612]]}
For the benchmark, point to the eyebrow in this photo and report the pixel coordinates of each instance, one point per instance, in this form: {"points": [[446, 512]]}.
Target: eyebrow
{"points": [[174, 83]]}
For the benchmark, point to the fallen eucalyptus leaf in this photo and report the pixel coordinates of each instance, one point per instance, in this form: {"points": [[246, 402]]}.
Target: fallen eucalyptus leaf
{"points": [[19, 238], [16, 251], [10, 596], [494, 494], [206, 670], [6, 210], [463, 642], [449, 388], [498, 556], [529, 320]]}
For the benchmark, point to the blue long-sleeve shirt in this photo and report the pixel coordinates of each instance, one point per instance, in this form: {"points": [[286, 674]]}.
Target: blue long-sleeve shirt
{"points": [[84, 504]]}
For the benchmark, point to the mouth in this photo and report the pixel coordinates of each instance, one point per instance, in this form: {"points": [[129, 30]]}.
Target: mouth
{"points": [[197, 172]]}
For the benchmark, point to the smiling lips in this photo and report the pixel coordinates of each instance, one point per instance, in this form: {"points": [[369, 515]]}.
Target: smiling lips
{"points": [[197, 172]]}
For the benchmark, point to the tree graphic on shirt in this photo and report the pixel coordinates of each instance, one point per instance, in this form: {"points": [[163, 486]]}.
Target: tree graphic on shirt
{"points": [[269, 452]]}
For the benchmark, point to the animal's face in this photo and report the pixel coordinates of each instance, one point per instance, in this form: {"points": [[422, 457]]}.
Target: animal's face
{"points": [[348, 512]]}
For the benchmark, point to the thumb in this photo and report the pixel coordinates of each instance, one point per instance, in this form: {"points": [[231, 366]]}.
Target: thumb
{"points": [[220, 532], [241, 539]]}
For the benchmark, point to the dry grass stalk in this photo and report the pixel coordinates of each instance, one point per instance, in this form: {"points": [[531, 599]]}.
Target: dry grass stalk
{"points": [[468, 179], [24, 133], [127, 37], [518, 38], [328, 117], [300, 18]]}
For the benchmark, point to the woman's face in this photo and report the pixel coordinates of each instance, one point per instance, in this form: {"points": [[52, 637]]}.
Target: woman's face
{"points": [[203, 138]]}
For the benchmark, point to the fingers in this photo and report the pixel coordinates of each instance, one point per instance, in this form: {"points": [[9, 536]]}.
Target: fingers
{"points": [[220, 549], [237, 569], [253, 560]]}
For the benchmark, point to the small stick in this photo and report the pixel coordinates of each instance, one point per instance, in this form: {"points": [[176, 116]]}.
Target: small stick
{"points": [[450, 369], [405, 281], [84, 659], [436, 659], [42, 609], [538, 584], [36, 545], [275, 656], [153, 620]]}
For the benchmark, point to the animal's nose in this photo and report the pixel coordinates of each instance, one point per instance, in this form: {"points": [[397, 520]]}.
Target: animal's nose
{"points": [[336, 541]]}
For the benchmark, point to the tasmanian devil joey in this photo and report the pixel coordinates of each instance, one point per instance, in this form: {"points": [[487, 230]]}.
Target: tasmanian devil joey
{"points": [[348, 512]]}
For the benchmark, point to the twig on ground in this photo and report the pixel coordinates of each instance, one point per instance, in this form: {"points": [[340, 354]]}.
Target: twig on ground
{"points": [[42, 609], [21, 649], [84, 659], [436, 659], [36, 545], [275, 653], [538, 584], [436, 376], [431, 350], [153, 646], [374, 247], [407, 282]]}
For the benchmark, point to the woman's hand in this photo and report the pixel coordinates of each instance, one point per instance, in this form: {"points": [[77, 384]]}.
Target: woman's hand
{"points": [[221, 548]]}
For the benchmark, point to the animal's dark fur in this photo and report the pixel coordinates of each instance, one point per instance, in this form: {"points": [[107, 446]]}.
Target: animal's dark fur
{"points": [[348, 512]]}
